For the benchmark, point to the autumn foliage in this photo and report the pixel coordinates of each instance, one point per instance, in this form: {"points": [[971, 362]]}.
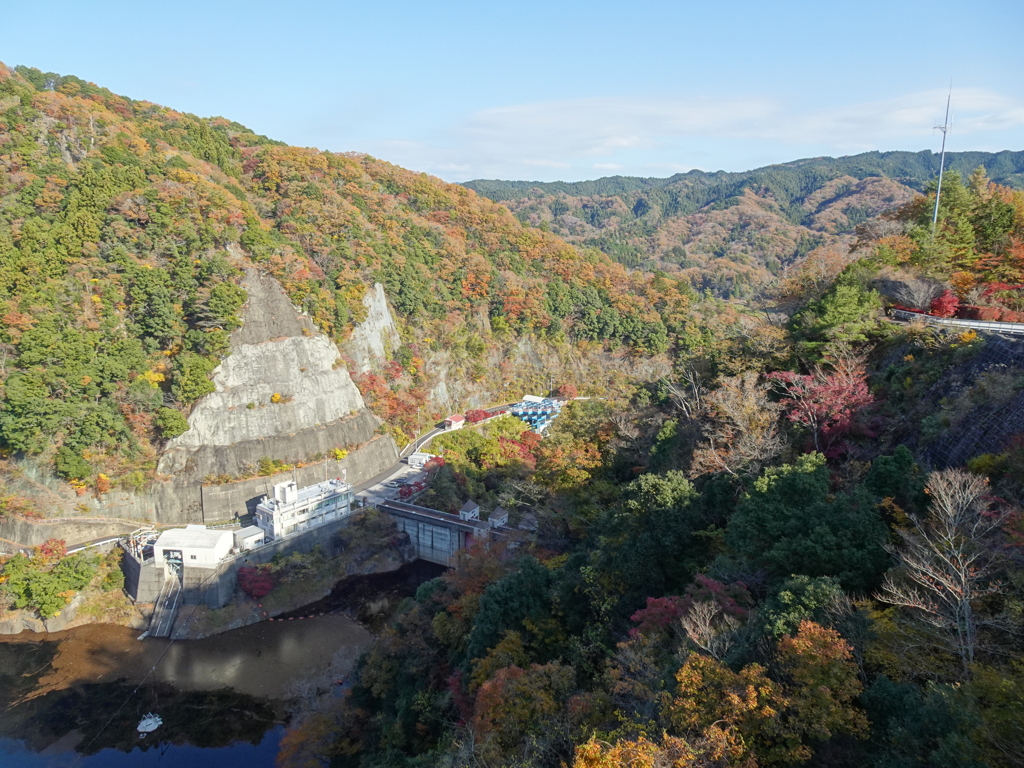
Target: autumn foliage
{"points": [[256, 581], [825, 401]]}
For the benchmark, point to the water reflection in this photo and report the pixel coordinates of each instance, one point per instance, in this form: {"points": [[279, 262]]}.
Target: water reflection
{"points": [[79, 694], [93, 717], [75, 691], [14, 754], [262, 659]]}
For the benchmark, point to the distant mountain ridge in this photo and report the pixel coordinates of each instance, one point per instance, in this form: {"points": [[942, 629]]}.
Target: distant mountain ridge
{"points": [[731, 232], [914, 169]]}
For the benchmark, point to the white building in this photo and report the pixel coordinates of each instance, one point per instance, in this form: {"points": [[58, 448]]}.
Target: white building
{"points": [[455, 422], [470, 511], [419, 459], [194, 546], [250, 537], [292, 509], [498, 518]]}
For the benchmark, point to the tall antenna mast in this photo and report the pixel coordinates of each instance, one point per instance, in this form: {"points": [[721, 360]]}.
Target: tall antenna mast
{"points": [[945, 127]]}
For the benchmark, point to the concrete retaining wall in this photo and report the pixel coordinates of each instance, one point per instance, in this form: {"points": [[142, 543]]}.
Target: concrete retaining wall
{"points": [[215, 587], [173, 502], [22, 533], [142, 580], [230, 501]]}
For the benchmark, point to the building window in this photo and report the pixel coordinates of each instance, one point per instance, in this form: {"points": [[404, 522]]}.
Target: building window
{"points": [[192, 556]]}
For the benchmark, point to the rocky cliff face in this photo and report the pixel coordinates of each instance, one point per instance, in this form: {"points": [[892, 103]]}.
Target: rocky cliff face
{"points": [[275, 353], [370, 340]]}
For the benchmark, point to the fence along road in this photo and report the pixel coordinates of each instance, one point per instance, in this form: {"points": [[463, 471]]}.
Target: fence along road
{"points": [[992, 326]]}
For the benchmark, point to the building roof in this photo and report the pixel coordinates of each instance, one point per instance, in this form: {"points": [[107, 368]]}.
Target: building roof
{"points": [[249, 530], [469, 506], [456, 417], [499, 511], [324, 488], [193, 537]]}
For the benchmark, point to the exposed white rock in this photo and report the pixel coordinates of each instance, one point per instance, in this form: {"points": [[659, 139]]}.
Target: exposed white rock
{"points": [[299, 369], [276, 351], [371, 338]]}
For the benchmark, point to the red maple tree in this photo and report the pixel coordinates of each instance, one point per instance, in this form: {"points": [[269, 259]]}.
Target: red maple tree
{"points": [[825, 402], [255, 581], [944, 305]]}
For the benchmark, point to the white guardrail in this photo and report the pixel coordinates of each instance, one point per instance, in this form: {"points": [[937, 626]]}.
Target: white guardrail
{"points": [[1016, 329]]}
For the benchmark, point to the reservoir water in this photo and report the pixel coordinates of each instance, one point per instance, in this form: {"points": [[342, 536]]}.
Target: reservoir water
{"points": [[74, 698]]}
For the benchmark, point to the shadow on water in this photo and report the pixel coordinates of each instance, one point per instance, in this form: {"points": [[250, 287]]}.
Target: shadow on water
{"points": [[21, 667], [14, 754], [371, 599], [95, 717], [70, 699]]}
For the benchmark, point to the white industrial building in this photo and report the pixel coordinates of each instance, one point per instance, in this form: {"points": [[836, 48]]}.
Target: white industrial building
{"points": [[470, 511], [291, 509], [250, 537], [194, 546], [419, 459]]}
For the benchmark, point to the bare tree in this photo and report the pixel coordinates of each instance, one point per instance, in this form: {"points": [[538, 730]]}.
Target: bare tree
{"points": [[946, 562], [874, 229], [688, 393], [743, 430], [916, 292], [710, 629]]}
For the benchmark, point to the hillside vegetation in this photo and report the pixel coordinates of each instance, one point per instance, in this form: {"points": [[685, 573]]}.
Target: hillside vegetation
{"points": [[734, 232], [124, 227], [787, 552], [780, 546]]}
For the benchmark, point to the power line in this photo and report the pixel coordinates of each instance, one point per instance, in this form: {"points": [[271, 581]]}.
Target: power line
{"points": [[170, 642]]}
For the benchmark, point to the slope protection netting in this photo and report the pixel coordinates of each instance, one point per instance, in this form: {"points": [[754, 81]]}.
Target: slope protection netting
{"points": [[987, 427]]}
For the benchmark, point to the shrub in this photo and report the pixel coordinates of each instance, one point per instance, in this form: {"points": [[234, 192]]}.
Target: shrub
{"points": [[945, 304], [71, 465], [567, 391], [192, 377], [268, 466], [113, 580], [47, 587], [52, 550], [134, 481], [255, 581], [170, 422]]}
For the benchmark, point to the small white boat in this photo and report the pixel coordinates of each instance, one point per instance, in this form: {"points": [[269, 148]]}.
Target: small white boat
{"points": [[148, 724], [143, 636]]}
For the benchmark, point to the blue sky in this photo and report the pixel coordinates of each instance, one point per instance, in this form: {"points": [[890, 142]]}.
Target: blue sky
{"points": [[549, 90]]}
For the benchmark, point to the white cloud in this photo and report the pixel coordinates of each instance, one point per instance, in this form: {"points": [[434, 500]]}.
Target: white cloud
{"points": [[639, 134]]}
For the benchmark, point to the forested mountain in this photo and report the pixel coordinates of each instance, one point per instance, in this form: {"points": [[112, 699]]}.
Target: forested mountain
{"points": [[733, 232], [805, 549], [781, 538], [125, 227]]}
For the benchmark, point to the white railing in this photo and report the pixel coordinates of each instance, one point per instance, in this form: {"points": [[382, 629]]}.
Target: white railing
{"points": [[1017, 329]]}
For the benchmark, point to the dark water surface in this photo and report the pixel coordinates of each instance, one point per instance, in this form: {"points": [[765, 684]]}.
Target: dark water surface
{"points": [[14, 754], [74, 698]]}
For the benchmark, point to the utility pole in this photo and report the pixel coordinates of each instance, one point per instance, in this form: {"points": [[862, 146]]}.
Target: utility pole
{"points": [[945, 127]]}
